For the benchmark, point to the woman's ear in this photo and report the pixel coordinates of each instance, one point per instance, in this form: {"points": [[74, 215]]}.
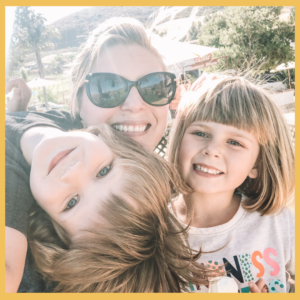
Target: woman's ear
{"points": [[253, 173]]}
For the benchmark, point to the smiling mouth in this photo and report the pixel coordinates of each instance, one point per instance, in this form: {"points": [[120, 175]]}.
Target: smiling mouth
{"points": [[203, 169], [128, 128], [58, 158]]}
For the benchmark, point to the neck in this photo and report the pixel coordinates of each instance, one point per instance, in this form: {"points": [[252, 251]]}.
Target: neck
{"points": [[32, 137], [202, 210]]}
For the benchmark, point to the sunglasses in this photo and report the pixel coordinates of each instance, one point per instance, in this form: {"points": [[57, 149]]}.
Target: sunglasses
{"points": [[108, 90]]}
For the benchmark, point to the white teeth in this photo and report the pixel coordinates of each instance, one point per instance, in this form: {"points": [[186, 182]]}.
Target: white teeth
{"points": [[130, 128], [205, 170]]}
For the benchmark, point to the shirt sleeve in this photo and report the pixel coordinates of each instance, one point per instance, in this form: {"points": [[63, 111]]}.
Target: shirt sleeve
{"points": [[18, 197]]}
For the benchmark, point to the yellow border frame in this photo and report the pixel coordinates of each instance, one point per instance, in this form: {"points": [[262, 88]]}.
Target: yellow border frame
{"points": [[132, 3]]}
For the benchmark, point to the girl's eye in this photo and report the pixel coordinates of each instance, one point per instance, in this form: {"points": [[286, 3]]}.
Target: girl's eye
{"points": [[200, 133], [72, 202], [234, 143], [104, 171]]}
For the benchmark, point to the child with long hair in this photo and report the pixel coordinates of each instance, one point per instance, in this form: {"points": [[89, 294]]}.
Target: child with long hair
{"points": [[100, 222], [232, 146]]}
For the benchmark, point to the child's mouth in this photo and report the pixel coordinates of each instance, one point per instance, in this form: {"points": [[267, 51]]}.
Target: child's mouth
{"points": [[206, 170]]}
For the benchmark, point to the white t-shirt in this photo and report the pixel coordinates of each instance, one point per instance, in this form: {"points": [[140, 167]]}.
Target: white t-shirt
{"points": [[259, 247]]}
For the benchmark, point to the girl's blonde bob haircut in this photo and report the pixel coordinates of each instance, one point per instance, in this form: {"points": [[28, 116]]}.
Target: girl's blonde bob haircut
{"points": [[129, 246], [113, 32], [234, 101]]}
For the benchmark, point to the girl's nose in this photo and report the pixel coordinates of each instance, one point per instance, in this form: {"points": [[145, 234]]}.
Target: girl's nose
{"points": [[212, 149], [134, 102], [73, 173]]}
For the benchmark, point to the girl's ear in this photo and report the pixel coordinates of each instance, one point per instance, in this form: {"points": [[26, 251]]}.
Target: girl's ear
{"points": [[253, 173]]}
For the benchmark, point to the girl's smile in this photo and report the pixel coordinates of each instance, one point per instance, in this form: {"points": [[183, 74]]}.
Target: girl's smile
{"points": [[215, 157], [205, 170]]}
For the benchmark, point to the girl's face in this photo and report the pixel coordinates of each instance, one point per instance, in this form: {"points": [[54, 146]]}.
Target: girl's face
{"points": [[70, 174], [132, 62], [215, 158]]}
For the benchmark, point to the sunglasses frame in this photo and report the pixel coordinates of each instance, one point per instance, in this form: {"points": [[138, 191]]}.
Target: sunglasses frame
{"points": [[129, 84]]}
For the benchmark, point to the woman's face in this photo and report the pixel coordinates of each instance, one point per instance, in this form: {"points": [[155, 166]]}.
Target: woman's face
{"points": [[132, 62], [71, 174]]}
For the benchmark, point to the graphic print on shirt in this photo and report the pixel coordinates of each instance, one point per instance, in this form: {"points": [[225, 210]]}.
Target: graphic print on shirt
{"points": [[248, 267], [216, 267], [246, 264]]}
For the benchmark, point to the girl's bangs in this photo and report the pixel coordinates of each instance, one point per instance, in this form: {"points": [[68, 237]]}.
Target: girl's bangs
{"points": [[234, 105]]}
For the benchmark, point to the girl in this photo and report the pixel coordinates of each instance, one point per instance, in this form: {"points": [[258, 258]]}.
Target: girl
{"points": [[231, 145], [90, 231]]}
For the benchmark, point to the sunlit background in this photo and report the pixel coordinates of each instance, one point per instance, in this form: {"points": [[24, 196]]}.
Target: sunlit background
{"points": [[189, 38]]}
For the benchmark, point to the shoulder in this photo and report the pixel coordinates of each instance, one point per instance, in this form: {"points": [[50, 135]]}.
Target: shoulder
{"points": [[21, 121]]}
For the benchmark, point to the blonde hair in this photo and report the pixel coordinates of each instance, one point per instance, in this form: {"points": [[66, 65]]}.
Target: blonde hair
{"points": [[234, 101], [141, 249], [111, 33]]}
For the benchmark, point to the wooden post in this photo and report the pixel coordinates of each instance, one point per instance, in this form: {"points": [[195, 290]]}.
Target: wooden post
{"points": [[45, 97], [289, 79]]}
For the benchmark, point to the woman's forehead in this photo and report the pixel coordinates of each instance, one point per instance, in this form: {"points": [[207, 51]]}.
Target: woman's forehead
{"points": [[126, 59]]}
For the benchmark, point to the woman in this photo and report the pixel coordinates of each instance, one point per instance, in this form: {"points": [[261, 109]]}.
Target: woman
{"points": [[121, 51], [118, 46]]}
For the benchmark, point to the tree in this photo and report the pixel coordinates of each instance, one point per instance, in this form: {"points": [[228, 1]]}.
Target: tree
{"points": [[253, 37], [31, 33]]}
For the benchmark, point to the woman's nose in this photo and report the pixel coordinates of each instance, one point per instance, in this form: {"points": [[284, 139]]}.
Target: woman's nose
{"points": [[134, 102], [73, 173]]}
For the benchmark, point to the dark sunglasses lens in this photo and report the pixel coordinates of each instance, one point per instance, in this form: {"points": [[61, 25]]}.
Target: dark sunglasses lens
{"points": [[107, 90], [157, 89]]}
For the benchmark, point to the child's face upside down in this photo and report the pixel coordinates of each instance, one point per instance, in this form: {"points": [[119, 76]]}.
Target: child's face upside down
{"points": [[70, 175], [215, 158]]}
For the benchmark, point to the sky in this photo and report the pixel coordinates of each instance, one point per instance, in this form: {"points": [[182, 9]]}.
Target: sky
{"points": [[51, 13]]}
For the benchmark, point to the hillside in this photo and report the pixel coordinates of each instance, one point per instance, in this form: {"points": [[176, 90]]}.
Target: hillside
{"points": [[75, 27]]}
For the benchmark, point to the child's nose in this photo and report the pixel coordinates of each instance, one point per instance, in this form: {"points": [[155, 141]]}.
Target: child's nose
{"points": [[134, 102], [73, 173], [212, 149]]}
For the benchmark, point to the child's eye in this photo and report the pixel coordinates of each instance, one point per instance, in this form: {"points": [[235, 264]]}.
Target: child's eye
{"points": [[200, 133], [72, 202], [104, 171], [234, 143]]}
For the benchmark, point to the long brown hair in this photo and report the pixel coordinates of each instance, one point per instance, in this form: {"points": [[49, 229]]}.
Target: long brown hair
{"points": [[127, 248], [234, 101]]}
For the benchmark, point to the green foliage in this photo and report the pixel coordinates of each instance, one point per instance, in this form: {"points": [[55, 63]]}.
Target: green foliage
{"points": [[57, 64], [282, 76], [253, 36], [58, 93], [31, 34], [15, 59], [30, 30], [292, 15], [23, 73], [193, 31]]}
